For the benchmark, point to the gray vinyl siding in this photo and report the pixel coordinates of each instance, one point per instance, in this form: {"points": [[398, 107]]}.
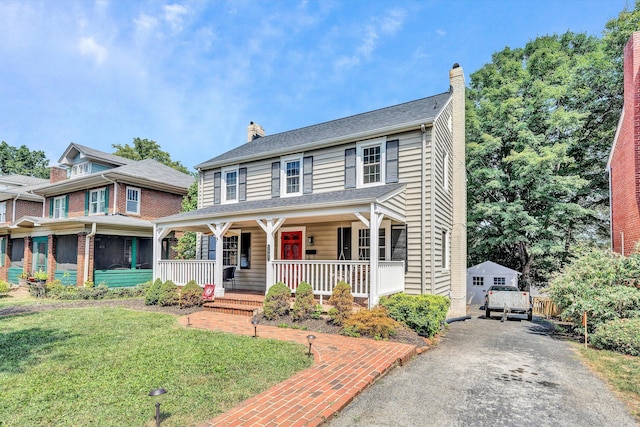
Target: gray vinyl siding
{"points": [[207, 187], [328, 168], [443, 200], [259, 179], [410, 173]]}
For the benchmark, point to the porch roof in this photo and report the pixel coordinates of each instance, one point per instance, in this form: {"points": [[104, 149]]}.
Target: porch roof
{"points": [[317, 204], [112, 220]]}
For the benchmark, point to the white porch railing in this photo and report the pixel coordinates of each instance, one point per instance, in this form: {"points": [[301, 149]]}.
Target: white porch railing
{"points": [[324, 275], [391, 277], [181, 271]]}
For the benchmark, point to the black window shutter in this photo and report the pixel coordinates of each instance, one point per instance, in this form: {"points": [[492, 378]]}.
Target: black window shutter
{"points": [[66, 206], [216, 188], [344, 243], [242, 184], [275, 179], [86, 203], [106, 200], [392, 161], [51, 207], [308, 175], [399, 244], [350, 168]]}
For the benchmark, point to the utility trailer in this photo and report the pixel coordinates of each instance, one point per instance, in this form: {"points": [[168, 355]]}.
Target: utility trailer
{"points": [[508, 299]]}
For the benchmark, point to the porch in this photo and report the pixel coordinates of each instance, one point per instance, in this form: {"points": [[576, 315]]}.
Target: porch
{"points": [[322, 275]]}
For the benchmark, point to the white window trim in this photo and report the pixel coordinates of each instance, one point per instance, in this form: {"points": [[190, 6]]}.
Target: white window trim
{"points": [[223, 184], [233, 232], [126, 201], [283, 175], [3, 212], [62, 209], [358, 225], [382, 142], [445, 170], [446, 263], [78, 169], [97, 190]]}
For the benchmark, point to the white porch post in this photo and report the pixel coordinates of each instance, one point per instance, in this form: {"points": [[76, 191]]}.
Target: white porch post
{"points": [[219, 230], [270, 228], [159, 234], [374, 234]]}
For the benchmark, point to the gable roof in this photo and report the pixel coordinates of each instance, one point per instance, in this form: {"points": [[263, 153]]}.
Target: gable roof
{"points": [[15, 180], [491, 267], [91, 154], [360, 126]]}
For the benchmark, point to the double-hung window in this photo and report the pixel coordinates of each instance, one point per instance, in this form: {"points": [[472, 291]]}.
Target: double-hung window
{"points": [[371, 162], [230, 185], [291, 176], [499, 281], [3, 212], [81, 169], [97, 201], [59, 207], [133, 200]]}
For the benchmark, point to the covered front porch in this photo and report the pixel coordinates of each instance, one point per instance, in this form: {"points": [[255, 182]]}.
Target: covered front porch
{"points": [[321, 239]]}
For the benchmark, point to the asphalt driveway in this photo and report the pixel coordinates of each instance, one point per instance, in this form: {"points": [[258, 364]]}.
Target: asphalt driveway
{"points": [[489, 373]]}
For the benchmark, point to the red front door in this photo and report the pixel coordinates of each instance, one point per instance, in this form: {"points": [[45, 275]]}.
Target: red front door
{"points": [[291, 250], [291, 245]]}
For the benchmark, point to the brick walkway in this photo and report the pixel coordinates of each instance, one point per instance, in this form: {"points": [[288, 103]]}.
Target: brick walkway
{"points": [[343, 368]]}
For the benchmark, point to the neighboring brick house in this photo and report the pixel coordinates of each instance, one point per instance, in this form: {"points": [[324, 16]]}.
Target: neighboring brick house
{"points": [[377, 199], [624, 160], [91, 220]]}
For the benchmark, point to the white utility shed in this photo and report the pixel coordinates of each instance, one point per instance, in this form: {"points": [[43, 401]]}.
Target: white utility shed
{"points": [[480, 277]]}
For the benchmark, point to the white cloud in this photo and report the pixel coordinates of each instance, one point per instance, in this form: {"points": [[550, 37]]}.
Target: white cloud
{"points": [[173, 14], [145, 23], [88, 47], [392, 23], [441, 32]]}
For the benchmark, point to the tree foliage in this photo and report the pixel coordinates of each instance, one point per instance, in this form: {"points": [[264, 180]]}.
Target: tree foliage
{"points": [[540, 123], [22, 161], [147, 149]]}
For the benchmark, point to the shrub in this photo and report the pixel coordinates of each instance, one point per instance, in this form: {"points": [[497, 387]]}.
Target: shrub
{"points": [[277, 301], [374, 323], [190, 295], [168, 294], [622, 335], [317, 311], [342, 302], [425, 314], [304, 304], [600, 283], [4, 287], [152, 294]]}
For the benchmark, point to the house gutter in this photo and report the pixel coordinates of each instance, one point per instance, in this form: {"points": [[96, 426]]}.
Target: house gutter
{"points": [[86, 251], [423, 178], [115, 193]]}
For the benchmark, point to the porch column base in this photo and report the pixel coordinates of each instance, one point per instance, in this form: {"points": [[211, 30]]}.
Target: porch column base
{"points": [[219, 292], [458, 308]]}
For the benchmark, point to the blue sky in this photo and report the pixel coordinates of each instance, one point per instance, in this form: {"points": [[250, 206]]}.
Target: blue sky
{"points": [[191, 75]]}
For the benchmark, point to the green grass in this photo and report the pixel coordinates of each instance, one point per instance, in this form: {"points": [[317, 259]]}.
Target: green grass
{"points": [[621, 372], [95, 366]]}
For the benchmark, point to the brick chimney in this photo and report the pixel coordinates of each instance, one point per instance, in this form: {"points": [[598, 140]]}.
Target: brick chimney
{"points": [[57, 174], [254, 131]]}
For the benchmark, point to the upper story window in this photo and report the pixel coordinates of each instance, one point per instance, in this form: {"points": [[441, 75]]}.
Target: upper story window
{"points": [[133, 200], [291, 174], [59, 207], [3, 211], [81, 169], [230, 185], [97, 201], [371, 162]]}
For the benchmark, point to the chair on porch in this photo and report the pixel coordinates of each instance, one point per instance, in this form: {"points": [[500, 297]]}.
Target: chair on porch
{"points": [[229, 275]]}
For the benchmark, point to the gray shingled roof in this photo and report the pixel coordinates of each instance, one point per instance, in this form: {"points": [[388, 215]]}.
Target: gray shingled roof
{"points": [[111, 220], [153, 170], [425, 109], [16, 179], [98, 155], [330, 199]]}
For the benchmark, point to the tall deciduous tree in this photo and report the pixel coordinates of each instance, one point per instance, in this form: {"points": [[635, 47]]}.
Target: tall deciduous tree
{"points": [[541, 120], [22, 161], [147, 149]]}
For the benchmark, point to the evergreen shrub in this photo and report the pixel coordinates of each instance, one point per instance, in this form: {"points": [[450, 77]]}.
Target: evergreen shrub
{"points": [[374, 323], [277, 301], [168, 294], [621, 335], [304, 304], [425, 314], [190, 295], [342, 302]]}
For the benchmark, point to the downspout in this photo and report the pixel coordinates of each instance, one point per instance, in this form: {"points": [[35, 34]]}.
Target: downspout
{"points": [[115, 194], [13, 209], [611, 208], [86, 251]]}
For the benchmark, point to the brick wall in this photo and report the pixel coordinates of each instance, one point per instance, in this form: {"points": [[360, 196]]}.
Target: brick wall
{"points": [[625, 160], [27, 208]]}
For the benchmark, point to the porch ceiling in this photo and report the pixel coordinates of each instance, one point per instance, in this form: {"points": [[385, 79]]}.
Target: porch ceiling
{"points": [[322, 207]]}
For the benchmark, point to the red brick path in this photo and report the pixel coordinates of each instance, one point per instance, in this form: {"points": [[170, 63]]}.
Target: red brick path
{"points": [[343, 368]]}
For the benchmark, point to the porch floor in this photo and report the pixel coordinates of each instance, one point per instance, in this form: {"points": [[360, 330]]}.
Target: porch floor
{"points": [[343, 367]]}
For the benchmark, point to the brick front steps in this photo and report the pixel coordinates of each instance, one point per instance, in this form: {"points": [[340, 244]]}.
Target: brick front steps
{"points": [[236, 303]]}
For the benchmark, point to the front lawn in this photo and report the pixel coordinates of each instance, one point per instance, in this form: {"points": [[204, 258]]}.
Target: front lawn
{"points": [[95, 366]]}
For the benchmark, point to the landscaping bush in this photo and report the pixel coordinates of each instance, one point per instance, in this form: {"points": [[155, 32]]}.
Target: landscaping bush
{"points": [[342, 302], [304, 304], [190, 295], [425, 314], [277, 301], [622, 336], [59, 291], [4, 287], [152, 294], [374, 323], [168, 294], [600, 283]]}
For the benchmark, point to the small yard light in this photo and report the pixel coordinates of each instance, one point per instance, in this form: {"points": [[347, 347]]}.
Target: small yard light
{"points": [[188, 321], [156, 395], [255, 322], [310, 339]]}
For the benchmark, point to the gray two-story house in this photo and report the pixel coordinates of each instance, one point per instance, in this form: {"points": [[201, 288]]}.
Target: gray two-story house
{"points": [[376, 199]]}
